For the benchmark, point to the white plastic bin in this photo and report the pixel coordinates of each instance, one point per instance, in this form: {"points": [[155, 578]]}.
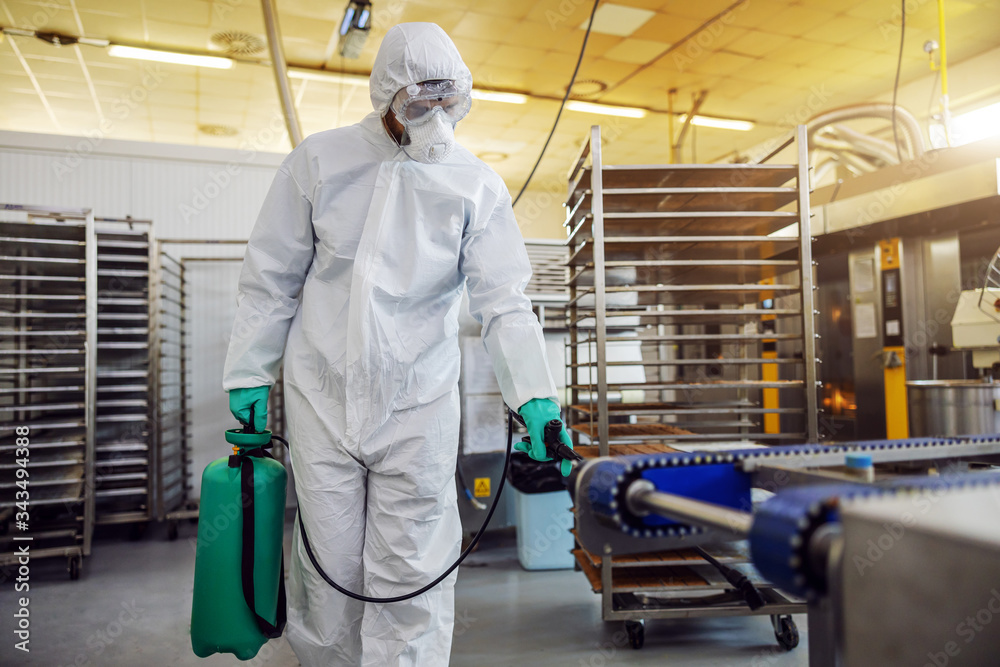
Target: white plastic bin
{"points": [[543, 524]]}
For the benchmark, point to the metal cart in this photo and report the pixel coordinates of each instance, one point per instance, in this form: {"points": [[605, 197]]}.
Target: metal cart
{"points": [[124, 445], [48, 322], [703, 274], [175, 474], [169, 387]]}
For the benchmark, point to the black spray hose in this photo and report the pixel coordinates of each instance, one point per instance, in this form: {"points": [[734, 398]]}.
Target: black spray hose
{"points": [[420, 591], [739, 581]]}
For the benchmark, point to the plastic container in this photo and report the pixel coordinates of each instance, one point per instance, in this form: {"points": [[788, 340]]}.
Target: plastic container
{"points": [[543, 524], [221, 621], [860, 465]]}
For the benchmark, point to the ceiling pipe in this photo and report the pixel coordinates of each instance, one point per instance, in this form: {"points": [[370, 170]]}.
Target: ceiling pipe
{"points": [[280, 69], [912, 138], [695, 106]]}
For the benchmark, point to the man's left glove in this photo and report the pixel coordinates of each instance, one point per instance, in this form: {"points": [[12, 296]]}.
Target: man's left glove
{"points": [[240, 401], [536, 414]]}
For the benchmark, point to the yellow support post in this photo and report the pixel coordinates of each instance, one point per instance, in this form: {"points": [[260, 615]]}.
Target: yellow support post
{"points": [[769, 372], [893, 350]]}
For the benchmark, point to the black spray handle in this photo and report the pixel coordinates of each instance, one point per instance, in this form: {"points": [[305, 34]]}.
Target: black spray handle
{"points": [[554, 446]]}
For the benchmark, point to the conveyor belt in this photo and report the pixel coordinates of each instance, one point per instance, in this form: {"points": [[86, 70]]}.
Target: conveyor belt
{"points": [[613, 476], [785, 524]]}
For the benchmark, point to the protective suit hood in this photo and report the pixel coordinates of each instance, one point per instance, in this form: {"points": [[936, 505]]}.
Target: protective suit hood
{"points": [[411, 53]]}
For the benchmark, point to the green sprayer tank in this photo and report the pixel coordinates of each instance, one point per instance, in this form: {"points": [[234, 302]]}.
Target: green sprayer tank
{"points": [[222, 618]]}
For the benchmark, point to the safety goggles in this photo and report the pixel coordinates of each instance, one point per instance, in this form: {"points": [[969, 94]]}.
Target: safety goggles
{"points": [[416, 104]]}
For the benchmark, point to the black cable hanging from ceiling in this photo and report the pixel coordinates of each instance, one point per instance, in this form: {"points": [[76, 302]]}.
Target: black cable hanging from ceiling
{"points": [[569, 88]]}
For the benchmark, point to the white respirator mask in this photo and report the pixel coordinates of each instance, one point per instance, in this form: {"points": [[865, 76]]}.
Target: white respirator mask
{"points": [[430, 142]]}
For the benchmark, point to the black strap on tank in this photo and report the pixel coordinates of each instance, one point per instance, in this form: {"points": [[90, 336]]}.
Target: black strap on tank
{"points": [[245, 464]]}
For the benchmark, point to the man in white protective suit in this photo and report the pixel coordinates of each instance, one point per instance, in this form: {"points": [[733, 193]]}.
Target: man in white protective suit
{"points": [[353, 275]]}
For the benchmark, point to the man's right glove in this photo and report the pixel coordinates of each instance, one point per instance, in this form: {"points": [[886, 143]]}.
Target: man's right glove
{"points": [[240, 401], [536, 414]]}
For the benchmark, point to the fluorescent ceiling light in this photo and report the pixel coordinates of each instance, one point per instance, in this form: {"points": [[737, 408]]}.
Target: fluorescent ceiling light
{"points": [[119, 51], [607, 110], [619, 20], [494, 96], [720, 123], [329, 77], [975, 125]]}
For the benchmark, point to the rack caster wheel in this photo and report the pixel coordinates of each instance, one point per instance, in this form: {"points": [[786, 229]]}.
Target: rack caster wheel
{"points": [[171, 530], [636, 631], [785, 632], [73, 564]]}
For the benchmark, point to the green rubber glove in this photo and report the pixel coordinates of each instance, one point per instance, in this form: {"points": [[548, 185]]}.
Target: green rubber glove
{"points": [[536, 414], [240, 401]]}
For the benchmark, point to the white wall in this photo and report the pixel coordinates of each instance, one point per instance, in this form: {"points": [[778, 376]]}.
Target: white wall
{"points": [[188, 193]]}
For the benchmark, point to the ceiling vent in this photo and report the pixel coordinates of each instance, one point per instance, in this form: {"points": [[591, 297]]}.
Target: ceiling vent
{"points": [[587, 88], [218, 130], [238, 43]]}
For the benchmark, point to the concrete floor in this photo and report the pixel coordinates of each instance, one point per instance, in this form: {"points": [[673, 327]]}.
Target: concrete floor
{"points": [[132, 606]]}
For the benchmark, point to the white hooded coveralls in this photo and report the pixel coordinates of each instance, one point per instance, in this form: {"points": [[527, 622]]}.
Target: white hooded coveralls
{"points": [[353, 275]]}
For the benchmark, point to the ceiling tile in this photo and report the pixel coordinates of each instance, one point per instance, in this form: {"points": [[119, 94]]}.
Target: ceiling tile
{"points": [[313, 9], [310, 29], [759, 13], [177, 35], [797, 19], [172, 99], [638, 51], [474, 24], [562, 14], [516, 57], [538, 35], [799, 51], [515, 9], [491, 75], [445, 17], [597, 44], [721, 63], [475, 51], [46, 17], [838, 30], [757, 43], [704, 9], [608, 71], [666, 28], [246, 16], [185, 12]]}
